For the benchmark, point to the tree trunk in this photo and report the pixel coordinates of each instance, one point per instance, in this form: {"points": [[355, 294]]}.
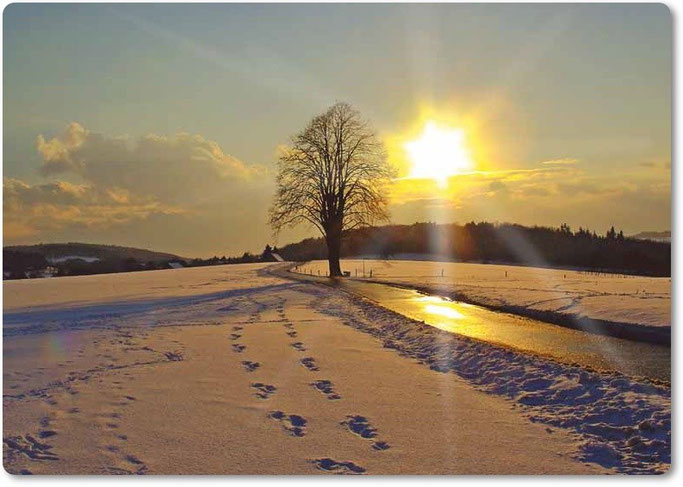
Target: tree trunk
{"points": [[334, 251]]}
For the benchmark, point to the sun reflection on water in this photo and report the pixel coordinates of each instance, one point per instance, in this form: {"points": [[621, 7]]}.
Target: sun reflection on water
{"points": [[434, 305], [441, 310]]}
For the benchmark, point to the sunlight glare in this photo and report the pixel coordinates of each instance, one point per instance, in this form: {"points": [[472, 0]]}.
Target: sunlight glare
{"points": [[438, 153], [445, 311]]}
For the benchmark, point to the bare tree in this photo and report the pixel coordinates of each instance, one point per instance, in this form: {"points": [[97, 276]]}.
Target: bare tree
{"points": [[334, 177]]}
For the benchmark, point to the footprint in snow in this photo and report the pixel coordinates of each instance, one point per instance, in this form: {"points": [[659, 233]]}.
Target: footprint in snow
{"points": [[174, 356], [250, 366], [309, 363], [263, 391], [360, 426], [325, 387], [340, 468], [293, 424]]}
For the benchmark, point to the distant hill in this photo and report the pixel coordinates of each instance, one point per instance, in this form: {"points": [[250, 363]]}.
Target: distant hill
{"points": [[61, 252], [74, 259], [664, 236]]}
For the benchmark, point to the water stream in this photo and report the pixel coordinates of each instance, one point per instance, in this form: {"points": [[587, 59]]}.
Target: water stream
{"points": [[524, 334]]}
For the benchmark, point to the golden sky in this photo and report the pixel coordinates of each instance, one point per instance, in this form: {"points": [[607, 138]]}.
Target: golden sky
{"points": [[158, 126]]}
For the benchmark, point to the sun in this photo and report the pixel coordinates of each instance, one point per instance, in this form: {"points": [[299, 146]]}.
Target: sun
{"points": [[438, 153]]}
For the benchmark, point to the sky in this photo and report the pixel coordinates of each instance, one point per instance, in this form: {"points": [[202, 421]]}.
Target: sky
{"points": [[159, 126]]}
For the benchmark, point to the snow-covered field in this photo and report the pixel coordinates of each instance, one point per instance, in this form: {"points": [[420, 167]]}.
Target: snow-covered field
{"points": [[234, 369], [127, 286], [611, 297]]}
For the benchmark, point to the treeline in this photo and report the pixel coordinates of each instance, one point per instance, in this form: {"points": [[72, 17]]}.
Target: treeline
{"points": [[16, 264], [246, 258], [29, 262], [501, 243], [78, 267], [473, 242]]}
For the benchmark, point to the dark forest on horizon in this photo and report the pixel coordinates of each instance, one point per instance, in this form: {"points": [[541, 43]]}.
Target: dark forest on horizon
{"points": [[500, 243]]}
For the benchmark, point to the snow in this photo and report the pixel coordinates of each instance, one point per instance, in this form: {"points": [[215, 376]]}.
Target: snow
{"points": [[236, 369], [618, 298], [64, 258], [623, 423], [127, 286]]}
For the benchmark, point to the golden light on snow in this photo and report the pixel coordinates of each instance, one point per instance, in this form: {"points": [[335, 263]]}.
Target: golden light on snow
{"points": [[438, 153]]}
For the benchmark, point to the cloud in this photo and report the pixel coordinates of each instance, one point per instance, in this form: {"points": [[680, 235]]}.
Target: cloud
{"points": [[567, 161], [596, 201], [549, 194], [656, 164], [497, 186], [173, 169], [56, 152], [32, 210], [473, 186], [114, 185]]}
